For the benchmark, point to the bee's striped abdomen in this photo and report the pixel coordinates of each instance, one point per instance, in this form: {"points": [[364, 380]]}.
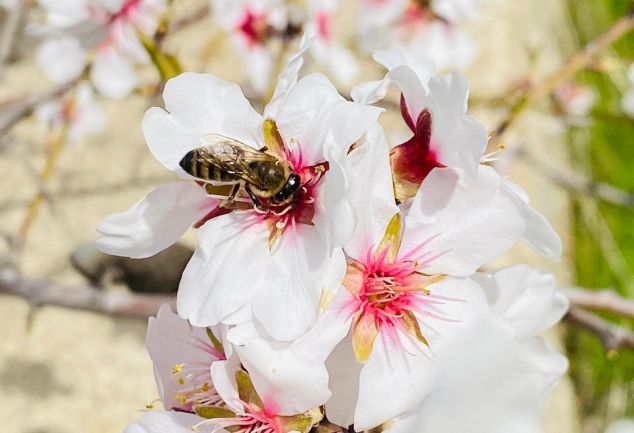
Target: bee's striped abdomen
{"points": [[197, 163]]}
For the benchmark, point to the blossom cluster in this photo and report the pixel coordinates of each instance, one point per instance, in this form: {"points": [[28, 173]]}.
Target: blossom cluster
{"points": [[359, 300]]}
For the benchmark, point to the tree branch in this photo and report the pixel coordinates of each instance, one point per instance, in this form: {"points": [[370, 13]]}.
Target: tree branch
{"points": [[577, 183], [87, 298], [12, 28], [14, 111], [576, 63], [605, 300], [190, 19], [613, 337]]}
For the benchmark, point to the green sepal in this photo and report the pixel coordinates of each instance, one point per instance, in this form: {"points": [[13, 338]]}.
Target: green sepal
{"points": [[167, 65], [214, 341], [246, 390], [208, 412], [300, 423]]}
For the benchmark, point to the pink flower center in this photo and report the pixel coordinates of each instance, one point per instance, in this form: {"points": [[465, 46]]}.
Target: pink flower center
{"points": [[254, 27], [127, 11], [301, 209], [324, 28], [414, 14], [388, 290], [247, 422], [193, 379]]}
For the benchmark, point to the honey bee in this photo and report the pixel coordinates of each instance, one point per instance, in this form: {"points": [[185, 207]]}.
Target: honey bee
{"points": [[223, 161]]}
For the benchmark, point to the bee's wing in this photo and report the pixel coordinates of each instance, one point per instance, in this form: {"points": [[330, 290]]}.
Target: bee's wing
{"points": [[232, 157]]}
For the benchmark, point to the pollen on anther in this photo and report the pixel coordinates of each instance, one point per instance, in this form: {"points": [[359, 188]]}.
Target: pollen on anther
{"points": [[180, 381], [177, 368], [180, 398]]}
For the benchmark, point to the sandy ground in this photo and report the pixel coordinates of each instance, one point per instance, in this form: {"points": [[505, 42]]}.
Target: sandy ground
{"points": [[75, 372]]}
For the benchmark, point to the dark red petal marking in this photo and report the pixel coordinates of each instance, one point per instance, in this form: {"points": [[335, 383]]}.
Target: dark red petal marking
{"points": [[406, 116], [413, 160]]}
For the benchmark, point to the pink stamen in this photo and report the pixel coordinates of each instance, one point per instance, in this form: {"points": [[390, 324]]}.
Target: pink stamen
{"points": [[393, 289]]}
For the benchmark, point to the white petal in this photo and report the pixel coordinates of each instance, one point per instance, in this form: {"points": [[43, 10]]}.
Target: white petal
{"points": [[112, 74], [258, 62], [63, 59], [64, 13], [287, 79], [228, 267], [371, 193], [334, 216], [400, 378], [447, 46], [403, 372], [294, 379], [491, 397], [164, 422], [525, 296], [344, 373], [339, 60], [466, 223], [313, 109], [296, 274], [539, 234], [458, 140], [89, 116], [223, 376], [621, 426], [411, 75], [155, 222], [196, 105], [170, 340]]}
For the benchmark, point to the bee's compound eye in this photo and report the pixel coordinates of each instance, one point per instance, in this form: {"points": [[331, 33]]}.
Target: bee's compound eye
{"points": [[292, 185]]}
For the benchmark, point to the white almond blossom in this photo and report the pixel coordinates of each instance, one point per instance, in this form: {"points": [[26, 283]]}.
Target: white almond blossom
{"points": [[327, 48], [77, 111], [274, 265], [621, 426], [8, 4], [407, 296], [102, 33], [427, 28], [206, 385], [260, 29]]}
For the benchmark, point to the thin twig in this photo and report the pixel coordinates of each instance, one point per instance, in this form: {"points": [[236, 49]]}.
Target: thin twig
{"points": [[604, 300], [13, 112], [87, 298], [194, 17], [81, 191], [57, 145], [612, 336], [578, 183], [578, 62], [10, 32]]}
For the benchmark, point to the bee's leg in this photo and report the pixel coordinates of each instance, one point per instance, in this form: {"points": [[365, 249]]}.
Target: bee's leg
{"points": [[231, 197], [254, 198]]}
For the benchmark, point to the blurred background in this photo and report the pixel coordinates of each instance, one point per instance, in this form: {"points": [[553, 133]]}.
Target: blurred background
{"points": [[566, 128]]}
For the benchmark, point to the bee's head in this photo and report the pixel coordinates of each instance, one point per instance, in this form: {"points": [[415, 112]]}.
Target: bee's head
{"points": [[291, 186]]}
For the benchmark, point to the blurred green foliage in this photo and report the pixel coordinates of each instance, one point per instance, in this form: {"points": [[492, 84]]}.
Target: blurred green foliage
{"points": [[604, 234]]}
